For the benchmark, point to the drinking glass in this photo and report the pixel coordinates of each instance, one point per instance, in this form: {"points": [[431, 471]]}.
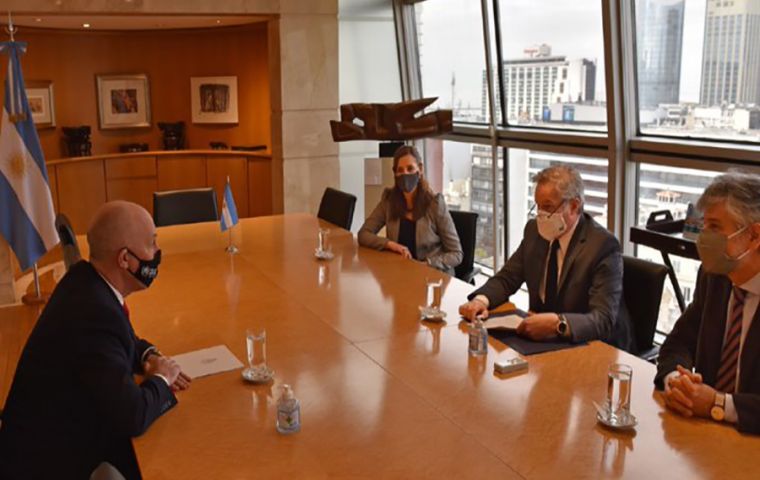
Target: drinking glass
{"points": [[619, 378], [323, 240], [433, 298], [256, 341]]}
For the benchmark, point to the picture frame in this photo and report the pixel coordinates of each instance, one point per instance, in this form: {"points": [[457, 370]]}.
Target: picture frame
{"points": [[214, 99], [123, 101], [41, 99]]}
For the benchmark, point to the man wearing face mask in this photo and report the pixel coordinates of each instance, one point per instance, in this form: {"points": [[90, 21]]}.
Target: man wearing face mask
{"points": [[709, 366], [74, 405], [572, 266]]}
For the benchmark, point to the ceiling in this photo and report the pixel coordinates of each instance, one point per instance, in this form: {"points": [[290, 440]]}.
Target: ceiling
{"points": [[131, 22]]}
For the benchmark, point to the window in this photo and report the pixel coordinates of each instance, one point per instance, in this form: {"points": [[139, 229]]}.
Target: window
{"points": [[523, 165], [670, 188], [541, 37], [452, 58], [707, 86], [467, 185]]}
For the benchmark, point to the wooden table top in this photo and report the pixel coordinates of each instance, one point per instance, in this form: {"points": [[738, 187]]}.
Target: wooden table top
{"points": [[382, 394]]}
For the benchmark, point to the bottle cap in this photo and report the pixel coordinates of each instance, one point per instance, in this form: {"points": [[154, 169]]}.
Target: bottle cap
{"points": [[287, 392]]}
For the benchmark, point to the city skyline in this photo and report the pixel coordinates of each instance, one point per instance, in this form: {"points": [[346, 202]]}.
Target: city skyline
{"points": [[451, 42]]}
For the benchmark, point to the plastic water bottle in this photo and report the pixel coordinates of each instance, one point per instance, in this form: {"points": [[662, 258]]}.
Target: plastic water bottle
{"points": [[478, 338], [288, 412]]}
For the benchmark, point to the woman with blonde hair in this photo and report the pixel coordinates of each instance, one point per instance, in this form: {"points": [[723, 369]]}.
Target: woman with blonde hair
{"points": [[418, 223]]}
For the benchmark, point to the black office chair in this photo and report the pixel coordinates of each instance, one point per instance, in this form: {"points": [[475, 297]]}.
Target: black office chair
{"points": [[184, 206], [466, 225], [337, 207], [69, 243], [643, 282]]}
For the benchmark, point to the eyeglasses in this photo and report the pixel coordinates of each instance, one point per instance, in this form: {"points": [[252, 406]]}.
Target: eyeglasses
{"points": [[539, 212]]}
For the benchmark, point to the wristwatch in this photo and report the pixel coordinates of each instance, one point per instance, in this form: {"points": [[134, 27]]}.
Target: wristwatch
{"points": [[718, 410], [562, 327]]}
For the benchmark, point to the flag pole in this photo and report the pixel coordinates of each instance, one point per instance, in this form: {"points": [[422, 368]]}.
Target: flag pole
{"points": [[231, 248], [38, 297], [10, 29]]}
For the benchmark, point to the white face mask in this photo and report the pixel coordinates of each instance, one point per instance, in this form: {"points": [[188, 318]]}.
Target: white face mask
{"points": [[550, 225]]}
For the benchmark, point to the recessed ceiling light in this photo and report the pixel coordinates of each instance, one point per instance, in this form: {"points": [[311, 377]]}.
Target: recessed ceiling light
{"points": [[218, 22], [38, 20], [86, 25]]}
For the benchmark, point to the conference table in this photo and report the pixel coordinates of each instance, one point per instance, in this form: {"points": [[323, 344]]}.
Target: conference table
{"points": [[384, 395]]}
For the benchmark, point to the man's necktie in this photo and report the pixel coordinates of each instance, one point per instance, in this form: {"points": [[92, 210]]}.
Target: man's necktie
{"points": [[729, 358], [550, 293]]}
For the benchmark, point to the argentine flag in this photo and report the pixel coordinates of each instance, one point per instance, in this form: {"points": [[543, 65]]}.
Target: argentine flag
{"points": [[229, 211], [27, 219]]}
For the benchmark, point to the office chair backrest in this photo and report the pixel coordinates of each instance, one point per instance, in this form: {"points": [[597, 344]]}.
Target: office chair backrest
{"points": [[69, 244], [184, 206], [337, 208], [466, 224], [643, 282]]}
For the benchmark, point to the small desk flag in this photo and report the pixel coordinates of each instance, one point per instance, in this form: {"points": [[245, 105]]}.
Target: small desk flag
{"points": [[27, 217], [229, 211]]}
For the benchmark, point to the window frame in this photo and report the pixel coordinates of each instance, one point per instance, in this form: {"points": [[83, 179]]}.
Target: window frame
{"points": [[623, 144]]}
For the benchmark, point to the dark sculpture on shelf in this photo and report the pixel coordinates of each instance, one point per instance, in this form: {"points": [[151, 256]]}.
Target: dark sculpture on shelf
{"points": [[389, 121], [77, 140], [174, 135], [133, 147]]}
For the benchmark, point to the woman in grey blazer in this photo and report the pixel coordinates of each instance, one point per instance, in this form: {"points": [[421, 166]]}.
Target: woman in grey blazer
{"points": [[418, 223]]}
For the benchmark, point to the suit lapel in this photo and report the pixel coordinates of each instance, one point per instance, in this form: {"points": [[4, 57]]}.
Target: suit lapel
{"points": [[573, 249], [533, 276], [392, 228], [713, 327], [750, 353]]}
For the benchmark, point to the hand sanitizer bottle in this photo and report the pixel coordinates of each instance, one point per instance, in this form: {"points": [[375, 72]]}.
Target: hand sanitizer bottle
{"points": [[288, 412], [478, 338]]}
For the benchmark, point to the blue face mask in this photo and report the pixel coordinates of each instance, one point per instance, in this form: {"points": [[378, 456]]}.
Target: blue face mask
{"points": [[147, 271], [407, 182]]}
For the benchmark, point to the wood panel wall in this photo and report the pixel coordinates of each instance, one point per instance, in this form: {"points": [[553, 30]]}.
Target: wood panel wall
{"points": [[72, 59]]}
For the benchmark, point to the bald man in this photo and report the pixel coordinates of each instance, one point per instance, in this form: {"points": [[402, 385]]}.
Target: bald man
{"points": [[74, 405]]}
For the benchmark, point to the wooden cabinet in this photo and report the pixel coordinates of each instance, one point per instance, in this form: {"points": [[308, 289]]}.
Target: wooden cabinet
{"points": [[181, 171], [80, 185], [81, 190]]}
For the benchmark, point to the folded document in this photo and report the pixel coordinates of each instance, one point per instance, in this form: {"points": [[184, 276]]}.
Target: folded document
{"points": [[207, 361]]}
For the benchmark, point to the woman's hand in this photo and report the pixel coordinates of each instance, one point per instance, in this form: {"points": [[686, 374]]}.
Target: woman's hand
{"points": [[398, 248]]}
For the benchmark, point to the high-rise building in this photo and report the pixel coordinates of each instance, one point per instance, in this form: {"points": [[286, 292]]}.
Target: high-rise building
{"points": [[731, 55], [541, 79], [659, 34]]}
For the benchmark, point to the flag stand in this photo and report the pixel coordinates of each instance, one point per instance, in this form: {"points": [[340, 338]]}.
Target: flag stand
{"points": [[38, 297], [231, 248]]}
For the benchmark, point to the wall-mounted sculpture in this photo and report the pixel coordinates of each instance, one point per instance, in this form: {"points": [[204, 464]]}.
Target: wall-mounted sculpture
{"points": [[389, 121]]}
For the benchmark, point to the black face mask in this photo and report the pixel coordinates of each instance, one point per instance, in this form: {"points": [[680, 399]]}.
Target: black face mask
{"points": [[147, 271], [407, 182]]}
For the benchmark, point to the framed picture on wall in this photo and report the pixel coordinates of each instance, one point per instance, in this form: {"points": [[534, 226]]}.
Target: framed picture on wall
{"points": [[123, 101], [214, 99], [41, 102]]}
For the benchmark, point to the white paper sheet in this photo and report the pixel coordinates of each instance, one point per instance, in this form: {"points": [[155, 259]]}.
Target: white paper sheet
{"points": [[507, 322], [207, 361]]}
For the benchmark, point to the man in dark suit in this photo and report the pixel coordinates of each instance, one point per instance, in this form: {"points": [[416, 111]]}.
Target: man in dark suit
{"points": [[572, 266], [709, 365], [74, 405]]}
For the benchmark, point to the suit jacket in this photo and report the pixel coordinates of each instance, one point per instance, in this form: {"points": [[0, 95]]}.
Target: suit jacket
{"points": [[74, 402], [436, 238], [590, 288], [697, 342]]}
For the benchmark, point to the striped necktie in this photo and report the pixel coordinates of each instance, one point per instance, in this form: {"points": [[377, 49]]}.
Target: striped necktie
{"points": [[729, 358]]}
